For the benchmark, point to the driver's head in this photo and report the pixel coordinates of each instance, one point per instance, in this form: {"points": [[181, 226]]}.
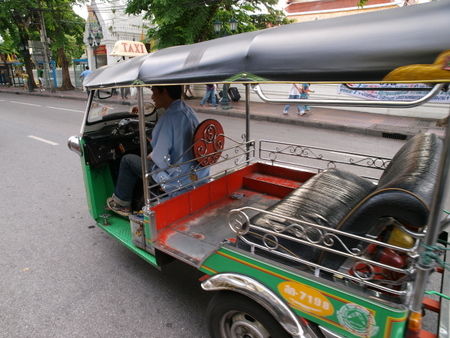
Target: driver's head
{"points": [[163, 96]]}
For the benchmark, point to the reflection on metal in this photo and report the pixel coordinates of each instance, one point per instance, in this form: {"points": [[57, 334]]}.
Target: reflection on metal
{"points": [[74, 144], [354, 103], [259, 293]]}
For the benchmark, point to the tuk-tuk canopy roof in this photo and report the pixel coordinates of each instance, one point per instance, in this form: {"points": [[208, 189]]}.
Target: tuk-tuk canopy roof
{"points": [[405, 44]]}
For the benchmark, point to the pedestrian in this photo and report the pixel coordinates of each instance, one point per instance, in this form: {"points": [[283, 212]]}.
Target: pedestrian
{"points": [[294, 93], [25, 80], [124, 92], [305, 109], [210, 95], [40, 73], [171, 141], [83, 75], [187, 89]]}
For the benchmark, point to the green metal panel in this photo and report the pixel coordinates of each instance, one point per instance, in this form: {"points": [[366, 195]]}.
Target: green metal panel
{"points": [[98, 185], [119, 228], [338, 309]]}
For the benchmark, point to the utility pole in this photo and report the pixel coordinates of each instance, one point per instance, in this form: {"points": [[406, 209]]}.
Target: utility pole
{"points": [[44, 40]]}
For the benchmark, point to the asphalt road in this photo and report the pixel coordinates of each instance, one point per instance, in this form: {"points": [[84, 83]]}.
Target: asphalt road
{"points": [[60, 275]]}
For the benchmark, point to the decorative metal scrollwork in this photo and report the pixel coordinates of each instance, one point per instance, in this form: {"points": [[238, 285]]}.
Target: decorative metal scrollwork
{"points": [[239, 222]]}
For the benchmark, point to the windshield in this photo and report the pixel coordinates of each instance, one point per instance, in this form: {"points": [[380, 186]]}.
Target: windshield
{"points": [[117, 103]]}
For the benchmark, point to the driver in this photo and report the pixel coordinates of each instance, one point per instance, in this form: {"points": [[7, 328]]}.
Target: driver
{"points": [[172, 138]]}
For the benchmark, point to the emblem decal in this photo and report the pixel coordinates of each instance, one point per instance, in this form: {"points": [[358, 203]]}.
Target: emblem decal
{"points": [[358, 320]]}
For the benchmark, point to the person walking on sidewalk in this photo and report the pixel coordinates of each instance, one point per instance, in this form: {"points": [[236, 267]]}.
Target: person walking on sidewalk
{"points": [[40, 73], [25, 80], [83, 75], [294, 93], [305, 109], [187, 89], [210, 94]]}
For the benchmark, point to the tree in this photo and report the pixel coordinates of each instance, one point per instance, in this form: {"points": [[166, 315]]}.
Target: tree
{"points": [[66, 30], [189, 21], [6, 49], [23, 20], [17, 23]]}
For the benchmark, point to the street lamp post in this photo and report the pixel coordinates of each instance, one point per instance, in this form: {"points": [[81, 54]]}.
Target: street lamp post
{"points": [[218, 29], [94, 43]]}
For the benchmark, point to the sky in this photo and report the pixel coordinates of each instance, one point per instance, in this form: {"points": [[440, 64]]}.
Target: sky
{"points": [[81, 11]]}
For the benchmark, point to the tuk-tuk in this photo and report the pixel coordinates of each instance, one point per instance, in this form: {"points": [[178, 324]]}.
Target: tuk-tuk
{"points": [[295, 240]]}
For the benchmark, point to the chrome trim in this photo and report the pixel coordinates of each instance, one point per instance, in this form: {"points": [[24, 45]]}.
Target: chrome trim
{"points": [[74, 144], [426, 265], [354, 103], [320, 159], [152, 236], [262, 295], [328, 334], [143, 142], [323, 238], [444, 315]]}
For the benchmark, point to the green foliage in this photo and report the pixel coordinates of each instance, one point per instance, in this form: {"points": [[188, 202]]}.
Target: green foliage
{"points": [[20, 21], [189, 21], [361, 3], [7, 45]]}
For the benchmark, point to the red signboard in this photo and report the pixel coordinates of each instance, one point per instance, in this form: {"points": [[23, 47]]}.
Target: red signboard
{"points": [[101, 50]]}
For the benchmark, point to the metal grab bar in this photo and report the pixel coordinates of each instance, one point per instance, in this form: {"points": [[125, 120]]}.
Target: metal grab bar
{"points": [[354, 103], [387, 89]]}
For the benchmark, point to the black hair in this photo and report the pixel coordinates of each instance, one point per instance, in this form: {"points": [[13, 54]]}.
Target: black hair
{"points": [[174, 92]]}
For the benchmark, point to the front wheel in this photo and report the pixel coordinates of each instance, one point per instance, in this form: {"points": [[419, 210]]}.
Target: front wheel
{"points": [[232, 315]]}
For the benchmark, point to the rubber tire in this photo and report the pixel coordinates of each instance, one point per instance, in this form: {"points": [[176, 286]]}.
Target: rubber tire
{"points": [[227, 305]]}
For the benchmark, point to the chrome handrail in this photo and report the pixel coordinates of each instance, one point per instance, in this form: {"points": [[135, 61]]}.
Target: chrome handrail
{"points": [[354, 103]]}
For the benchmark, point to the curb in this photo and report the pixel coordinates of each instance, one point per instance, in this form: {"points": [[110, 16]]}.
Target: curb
{"points": [[44, 94]]}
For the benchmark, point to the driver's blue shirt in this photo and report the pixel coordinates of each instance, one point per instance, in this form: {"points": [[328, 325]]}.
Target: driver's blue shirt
{"points": [[171, 142]]}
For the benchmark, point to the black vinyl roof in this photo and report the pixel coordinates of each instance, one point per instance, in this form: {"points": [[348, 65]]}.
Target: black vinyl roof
{"points": [[405, 44]]}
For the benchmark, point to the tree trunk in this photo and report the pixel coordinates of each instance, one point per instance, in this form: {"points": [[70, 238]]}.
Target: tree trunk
{"points": [[66, 82], [29, 70]]}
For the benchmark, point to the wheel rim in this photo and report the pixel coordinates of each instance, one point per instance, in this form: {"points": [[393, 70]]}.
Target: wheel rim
{"points": [[236, 324]]}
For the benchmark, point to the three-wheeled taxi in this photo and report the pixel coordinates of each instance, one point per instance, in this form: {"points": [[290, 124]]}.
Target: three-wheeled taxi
{"points": [[295, 240]]}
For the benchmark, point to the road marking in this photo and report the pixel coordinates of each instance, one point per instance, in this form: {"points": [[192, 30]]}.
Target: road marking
{"points": [[77, 111], [27, 104], [43, 140]]}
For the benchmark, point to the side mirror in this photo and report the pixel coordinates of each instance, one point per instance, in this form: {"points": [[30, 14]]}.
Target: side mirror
{"points": [[104, 94]]}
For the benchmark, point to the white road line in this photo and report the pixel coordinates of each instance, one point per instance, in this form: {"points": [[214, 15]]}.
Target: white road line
{"points": [[27, 104], [43, 140], [59, 108]]}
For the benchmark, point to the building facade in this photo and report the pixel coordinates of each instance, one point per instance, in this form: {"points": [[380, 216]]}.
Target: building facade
{"points": [[308, 10], [108, 23]]}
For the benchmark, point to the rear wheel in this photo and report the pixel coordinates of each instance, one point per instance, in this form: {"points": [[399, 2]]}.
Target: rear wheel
{"points": [[231, 315]]}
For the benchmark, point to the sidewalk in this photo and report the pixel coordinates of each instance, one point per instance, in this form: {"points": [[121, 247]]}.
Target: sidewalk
{"points": [[325, 118]]}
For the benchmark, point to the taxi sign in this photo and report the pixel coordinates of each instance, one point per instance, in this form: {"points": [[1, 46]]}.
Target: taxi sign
{"points": [[128, 48]]}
